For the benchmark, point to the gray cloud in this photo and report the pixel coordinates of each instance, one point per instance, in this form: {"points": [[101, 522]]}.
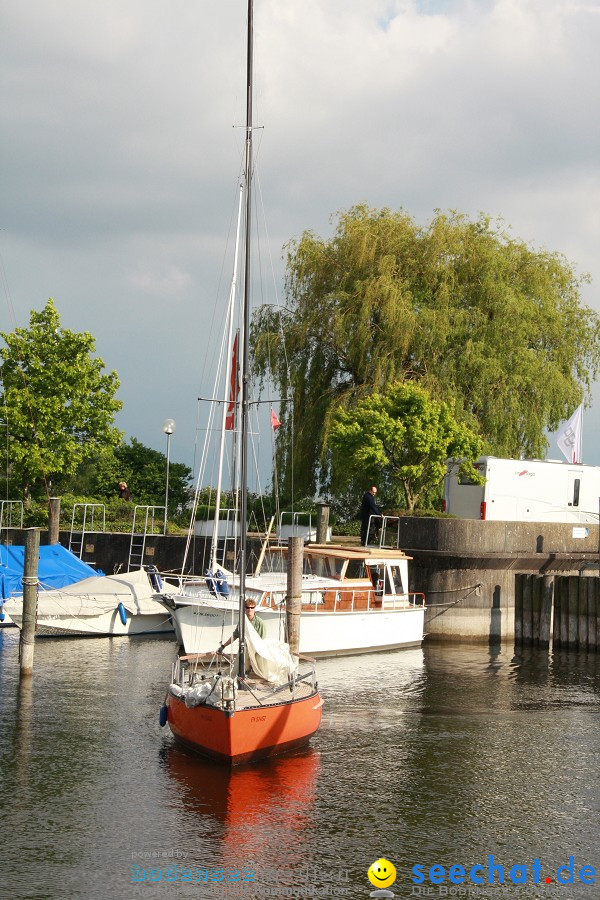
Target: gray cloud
{"points": [[120, 160]]}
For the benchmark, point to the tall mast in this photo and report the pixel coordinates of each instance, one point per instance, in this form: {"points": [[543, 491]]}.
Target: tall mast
{"points": [[230, 383], [245, 345]]}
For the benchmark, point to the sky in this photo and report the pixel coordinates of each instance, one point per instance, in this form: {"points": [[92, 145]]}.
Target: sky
{"points": [[121, 149]]}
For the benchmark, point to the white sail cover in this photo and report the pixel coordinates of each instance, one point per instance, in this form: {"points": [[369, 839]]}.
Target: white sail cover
{"points": [[270, 659], [96, 595]]}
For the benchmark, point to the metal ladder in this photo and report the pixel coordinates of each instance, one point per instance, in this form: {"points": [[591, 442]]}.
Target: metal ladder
{"points": [[77, 538], [11, 505], [137, 545]]}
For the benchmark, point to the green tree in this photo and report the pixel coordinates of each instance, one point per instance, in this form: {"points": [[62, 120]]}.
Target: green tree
{"points": [[144, 470], [457, 306], [58, 402], [400, 440]]}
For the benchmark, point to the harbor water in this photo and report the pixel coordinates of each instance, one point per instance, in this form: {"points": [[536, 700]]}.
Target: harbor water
{"points": [[441, 760]]}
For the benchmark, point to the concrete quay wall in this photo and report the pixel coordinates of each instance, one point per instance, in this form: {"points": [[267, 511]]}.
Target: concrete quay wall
{"points": [[467, 569]]}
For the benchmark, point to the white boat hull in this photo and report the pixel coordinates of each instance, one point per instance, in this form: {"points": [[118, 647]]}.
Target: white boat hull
{"points": [[200, 629], [99, 606], [105, 625]]}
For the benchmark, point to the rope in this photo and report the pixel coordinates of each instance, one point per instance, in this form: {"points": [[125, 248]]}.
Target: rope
{"points": [[446, 606]]}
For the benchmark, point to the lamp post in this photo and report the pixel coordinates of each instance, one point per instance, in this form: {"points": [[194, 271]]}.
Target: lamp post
{"points": [[169, 429]]}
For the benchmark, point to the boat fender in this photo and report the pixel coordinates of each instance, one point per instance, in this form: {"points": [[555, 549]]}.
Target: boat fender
{"points": [[162, 716], [122, 613], [210, 582], [221, 582], [155, 579], [2, 613]]}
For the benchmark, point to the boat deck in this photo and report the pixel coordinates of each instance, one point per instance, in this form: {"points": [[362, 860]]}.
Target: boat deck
{"points": [[261, 693]]}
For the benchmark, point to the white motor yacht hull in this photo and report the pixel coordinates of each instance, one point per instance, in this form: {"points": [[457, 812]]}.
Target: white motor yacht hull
{"points": [[201, 627]]}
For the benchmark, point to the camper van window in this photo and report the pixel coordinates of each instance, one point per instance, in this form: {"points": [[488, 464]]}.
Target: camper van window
{"points": [[464, 479], [576, 484]]}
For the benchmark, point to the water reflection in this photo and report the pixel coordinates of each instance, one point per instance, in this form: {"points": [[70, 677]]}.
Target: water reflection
{"points": [[268, 805], [437, 755]]}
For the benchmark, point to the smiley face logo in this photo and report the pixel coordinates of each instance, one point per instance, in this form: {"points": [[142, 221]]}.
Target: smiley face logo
{"points": [[382, 873]]}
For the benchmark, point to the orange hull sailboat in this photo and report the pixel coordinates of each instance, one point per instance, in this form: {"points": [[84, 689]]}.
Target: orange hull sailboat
{"points": [[221, 711], [250, 731]]}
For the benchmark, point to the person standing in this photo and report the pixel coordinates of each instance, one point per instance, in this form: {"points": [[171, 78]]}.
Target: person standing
{"points": [[368, 509], [256, 621]]}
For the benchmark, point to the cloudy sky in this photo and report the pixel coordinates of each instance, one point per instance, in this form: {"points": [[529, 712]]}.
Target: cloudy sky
{"points": [[120, 155]]}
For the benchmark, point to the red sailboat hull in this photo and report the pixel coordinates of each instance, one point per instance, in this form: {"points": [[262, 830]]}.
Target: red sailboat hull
{"points": [[247, 734]]}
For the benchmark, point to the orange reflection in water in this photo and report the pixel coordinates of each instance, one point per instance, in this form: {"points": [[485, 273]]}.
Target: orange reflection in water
{"points": [[267, 805]]}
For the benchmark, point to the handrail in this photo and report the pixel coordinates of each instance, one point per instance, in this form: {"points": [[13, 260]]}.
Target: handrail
{"points": [[314, 600], [294, 524], [11, 504]]}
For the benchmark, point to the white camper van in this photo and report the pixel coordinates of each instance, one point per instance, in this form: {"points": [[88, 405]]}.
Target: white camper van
{"points": [[526, 490]]}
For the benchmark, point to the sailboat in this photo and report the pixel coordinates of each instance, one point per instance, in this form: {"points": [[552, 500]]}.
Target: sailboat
{"points": [[226, 711]]}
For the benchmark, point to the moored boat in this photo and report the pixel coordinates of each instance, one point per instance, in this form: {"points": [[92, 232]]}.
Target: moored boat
{"points": [[99, 606], [354, 600]]}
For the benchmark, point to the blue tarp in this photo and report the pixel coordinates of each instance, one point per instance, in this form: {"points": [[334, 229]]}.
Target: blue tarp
{"points": [[57, 568]]}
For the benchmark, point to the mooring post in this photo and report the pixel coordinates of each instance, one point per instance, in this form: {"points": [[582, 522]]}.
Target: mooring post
{"points": [[53, 519], [293, 600], [322, 522], [545, 633], [528, 610], [573, 623], [30, 583], [582, 625], [593, 614], [519, 609]]}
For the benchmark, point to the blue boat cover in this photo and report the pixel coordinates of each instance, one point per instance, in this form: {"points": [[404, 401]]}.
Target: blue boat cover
{"points": [[57, 568]]}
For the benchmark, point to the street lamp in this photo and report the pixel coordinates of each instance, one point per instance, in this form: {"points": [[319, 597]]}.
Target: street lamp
{"points": [[169, 429]]}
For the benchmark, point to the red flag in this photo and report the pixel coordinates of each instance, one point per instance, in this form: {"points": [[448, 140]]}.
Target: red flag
{"points": [[275, 423], [234, 389]]}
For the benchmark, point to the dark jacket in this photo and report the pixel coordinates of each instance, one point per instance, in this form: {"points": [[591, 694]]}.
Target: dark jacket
{"points": [[368, 507]]}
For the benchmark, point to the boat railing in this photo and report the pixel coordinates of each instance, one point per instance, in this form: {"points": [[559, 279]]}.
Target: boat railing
{"points": [[331, 599]]}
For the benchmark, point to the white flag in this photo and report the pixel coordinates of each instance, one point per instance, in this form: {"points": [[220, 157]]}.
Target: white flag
{"points": [[569, 437]]}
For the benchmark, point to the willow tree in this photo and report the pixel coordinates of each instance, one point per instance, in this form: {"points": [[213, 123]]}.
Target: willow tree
{"points": [[58, 402], [458, 306]]}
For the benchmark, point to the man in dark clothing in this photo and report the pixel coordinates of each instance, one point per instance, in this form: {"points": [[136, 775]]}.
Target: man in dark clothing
{"points": [[368, 508]]}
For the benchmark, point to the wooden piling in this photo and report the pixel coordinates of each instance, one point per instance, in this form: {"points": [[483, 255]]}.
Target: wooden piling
{"points": [[582, 612], [322, 522], [556, 613], [53, 519], [536, 606], [593, 589], [519, 609], [527, 609], [573, 629], [293, 600], [547, 597], [30, 583], [564, 612], [594, 615]]}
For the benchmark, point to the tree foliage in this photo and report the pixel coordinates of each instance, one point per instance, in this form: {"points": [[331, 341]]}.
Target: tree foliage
{"points": [[58, 402], [144, 470], [458, 306], [400, 440]]}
